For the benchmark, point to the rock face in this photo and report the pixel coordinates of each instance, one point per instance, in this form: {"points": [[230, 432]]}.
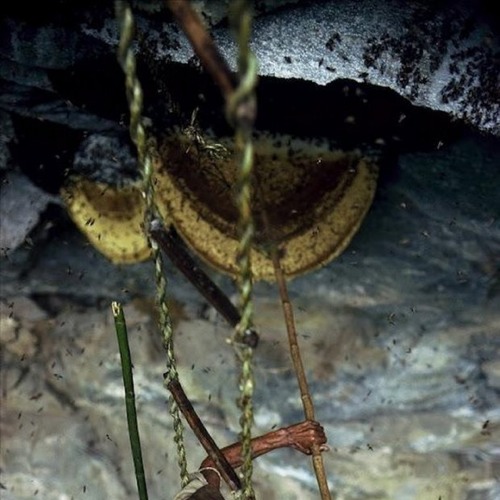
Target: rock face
{"points": [[437, 55], [441, 56], [401, 334]]}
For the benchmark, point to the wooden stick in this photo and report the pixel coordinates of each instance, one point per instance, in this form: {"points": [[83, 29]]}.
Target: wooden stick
{"points": [[204, 46], [206, 440], [305, 394], [169, 241]]}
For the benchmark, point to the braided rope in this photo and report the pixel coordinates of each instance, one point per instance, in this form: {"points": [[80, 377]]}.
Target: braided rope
{"points": [[145, 153], [240, 112]]}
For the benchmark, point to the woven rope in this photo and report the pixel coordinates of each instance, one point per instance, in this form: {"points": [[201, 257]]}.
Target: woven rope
{"points": [[145, 153]]}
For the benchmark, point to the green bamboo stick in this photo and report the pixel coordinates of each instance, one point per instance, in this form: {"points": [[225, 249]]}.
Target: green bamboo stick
{"points": [[128, 383]]}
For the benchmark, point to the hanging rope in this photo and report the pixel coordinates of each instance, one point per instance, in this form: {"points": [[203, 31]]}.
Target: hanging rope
{"points": [[240, 112], [133, 87]]}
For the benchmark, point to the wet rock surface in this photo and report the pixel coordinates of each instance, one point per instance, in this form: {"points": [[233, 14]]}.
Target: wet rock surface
{"points": [[400, 338]]}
